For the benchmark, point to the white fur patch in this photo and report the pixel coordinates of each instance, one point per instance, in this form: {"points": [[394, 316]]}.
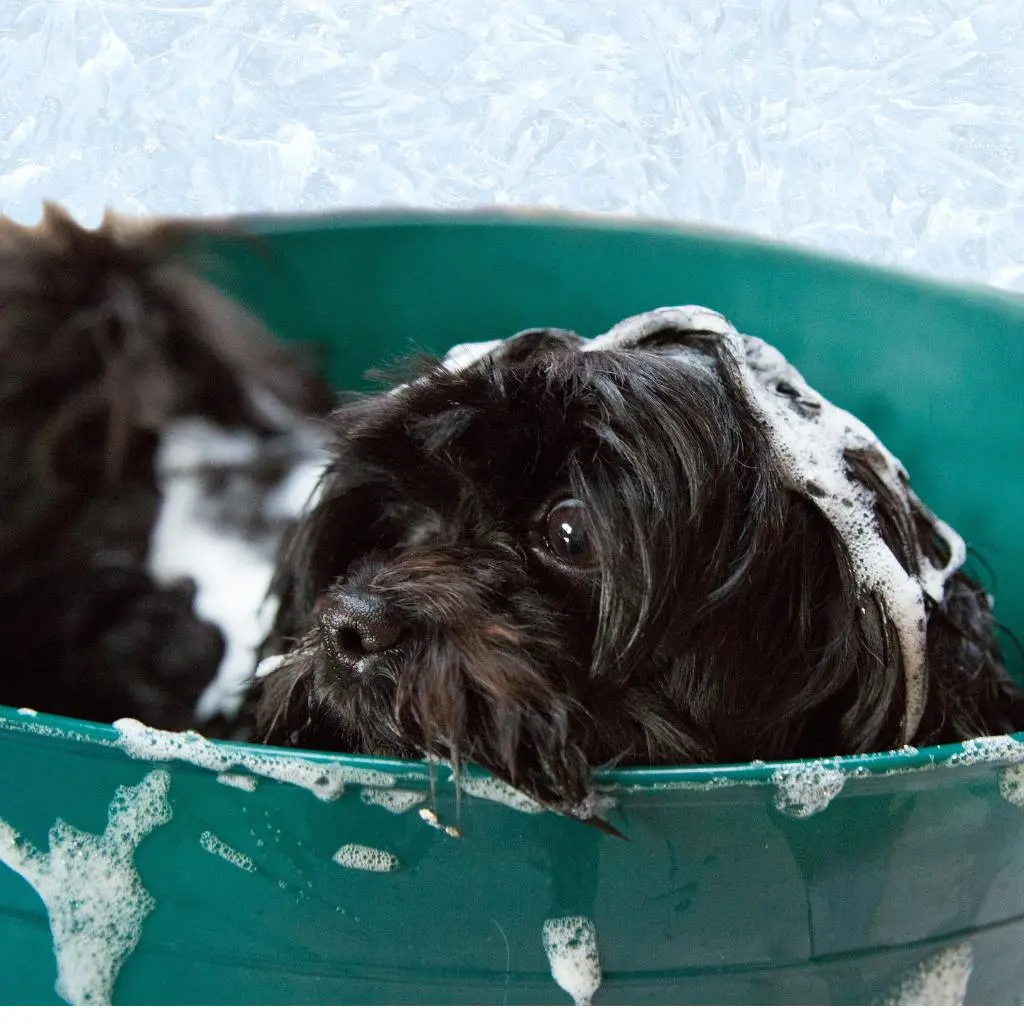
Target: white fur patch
{"points": [[232, 571]]}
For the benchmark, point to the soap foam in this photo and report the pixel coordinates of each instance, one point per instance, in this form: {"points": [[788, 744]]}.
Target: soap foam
{"points": [[988, 749], [810, 437], [570, 944], [365, 858], [499, 792], [211, 844], [93, 894], [1011, 785], [326, 781], [27, 724], [941, 980], [246, 782], [397, 801], [802, 790]]}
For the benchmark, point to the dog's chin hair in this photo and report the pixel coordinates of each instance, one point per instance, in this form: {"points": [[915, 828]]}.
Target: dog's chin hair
{"points": [[481, 683], [436, 707]]}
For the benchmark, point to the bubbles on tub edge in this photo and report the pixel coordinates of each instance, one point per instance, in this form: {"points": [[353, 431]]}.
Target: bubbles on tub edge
{"points": [[802, 790], [326, 781]]}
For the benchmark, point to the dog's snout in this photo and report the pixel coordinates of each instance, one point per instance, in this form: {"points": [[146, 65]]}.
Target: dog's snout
{"points": [[358, 625]]}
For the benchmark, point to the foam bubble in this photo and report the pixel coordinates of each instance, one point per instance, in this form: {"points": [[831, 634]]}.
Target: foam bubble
{"points": [[1011, 785], [397, 801], [326, 781], [941, 980], [26, 724], [987, 749], [28, 711], [802, 790], [246, 782], [93, 894], [570, 944], [499, 792], [211, 844], [365, 858]]}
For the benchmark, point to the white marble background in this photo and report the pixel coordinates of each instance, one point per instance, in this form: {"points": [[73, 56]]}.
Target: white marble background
{"points": [[891, 131]]}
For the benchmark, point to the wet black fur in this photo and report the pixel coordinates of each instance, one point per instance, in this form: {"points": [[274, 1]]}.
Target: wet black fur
{"points": [[724, 623], [104, 337]]}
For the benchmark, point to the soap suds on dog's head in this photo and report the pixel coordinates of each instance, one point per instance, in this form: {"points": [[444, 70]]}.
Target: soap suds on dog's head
{"points": [[92, 891], [810, 437]]}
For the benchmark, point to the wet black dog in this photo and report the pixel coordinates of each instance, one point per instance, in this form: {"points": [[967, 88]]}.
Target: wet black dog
{"points": [[657, 547], [106, 340]]}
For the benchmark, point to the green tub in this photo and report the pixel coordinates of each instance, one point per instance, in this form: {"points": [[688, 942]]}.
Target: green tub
{"points": [[888, 878]]}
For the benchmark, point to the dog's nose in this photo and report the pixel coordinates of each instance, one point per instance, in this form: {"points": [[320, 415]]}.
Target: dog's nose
{"points": [[357, 625]]}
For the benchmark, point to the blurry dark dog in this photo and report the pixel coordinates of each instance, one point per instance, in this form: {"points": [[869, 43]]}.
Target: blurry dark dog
{"points": [[106, 341], [657, 547]]}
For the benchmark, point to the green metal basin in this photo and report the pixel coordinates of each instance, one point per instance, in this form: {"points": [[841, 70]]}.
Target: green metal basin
{"points": [[897, 877]]}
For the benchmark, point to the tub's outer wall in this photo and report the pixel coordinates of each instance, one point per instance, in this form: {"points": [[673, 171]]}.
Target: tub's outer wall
{"points": [[716, 896]]}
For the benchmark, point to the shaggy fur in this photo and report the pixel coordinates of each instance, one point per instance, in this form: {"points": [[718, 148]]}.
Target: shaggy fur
{"points": [[105, 339], [702, 611]]}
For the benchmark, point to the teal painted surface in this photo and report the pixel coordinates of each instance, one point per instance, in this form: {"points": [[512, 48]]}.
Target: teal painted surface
{"points": [[718, 896]]}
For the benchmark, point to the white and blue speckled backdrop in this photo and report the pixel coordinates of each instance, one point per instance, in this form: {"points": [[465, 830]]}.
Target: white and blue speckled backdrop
{"points": [[892, 131]]}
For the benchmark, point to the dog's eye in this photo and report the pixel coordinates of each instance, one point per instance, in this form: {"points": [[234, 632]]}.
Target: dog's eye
{"points": [[565, 530]]}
